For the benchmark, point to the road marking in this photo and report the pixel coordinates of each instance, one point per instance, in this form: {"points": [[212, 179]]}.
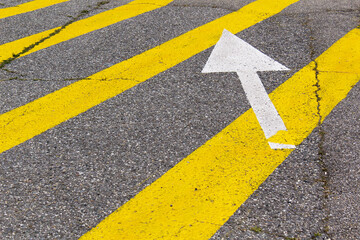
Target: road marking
{"points": [[25, 122], [27, 7], [231, 54], [196, 197], [80, 27]]}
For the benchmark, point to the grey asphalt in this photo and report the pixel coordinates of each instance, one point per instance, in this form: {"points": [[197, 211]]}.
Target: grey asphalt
{"points": [[63, 182]]}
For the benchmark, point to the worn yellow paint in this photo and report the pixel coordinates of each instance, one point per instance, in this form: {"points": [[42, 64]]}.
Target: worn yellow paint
{"points": [[198, 195], [27, 121], [80, 27], [27, 7]]}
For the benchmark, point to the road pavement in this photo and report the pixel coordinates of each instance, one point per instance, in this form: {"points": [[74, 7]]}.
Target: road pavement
{"points": [[61, 181]]}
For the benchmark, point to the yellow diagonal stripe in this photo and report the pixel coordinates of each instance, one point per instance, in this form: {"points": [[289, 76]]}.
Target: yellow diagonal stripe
{"points": [[44, 113], [198, 195], [79, 28], [27, 7]]}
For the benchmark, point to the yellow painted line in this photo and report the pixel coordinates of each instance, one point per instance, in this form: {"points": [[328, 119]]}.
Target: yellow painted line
{"points": [[80, 27], [27, 121], [27, 7], [196, 197]]}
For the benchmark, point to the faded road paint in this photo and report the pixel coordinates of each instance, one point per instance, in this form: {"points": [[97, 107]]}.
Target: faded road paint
{"points": [[79, 28], [27, 7], [27, 121], [196, 197]]}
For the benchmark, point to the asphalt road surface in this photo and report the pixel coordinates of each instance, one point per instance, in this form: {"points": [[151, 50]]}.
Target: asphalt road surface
{"points": [[105, 110]]}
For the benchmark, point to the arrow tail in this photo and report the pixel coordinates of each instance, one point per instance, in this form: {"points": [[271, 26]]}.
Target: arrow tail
{"points": [[265, 111]]}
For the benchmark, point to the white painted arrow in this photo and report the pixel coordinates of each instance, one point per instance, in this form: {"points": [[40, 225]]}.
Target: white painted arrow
{"points": [[231, 54]]}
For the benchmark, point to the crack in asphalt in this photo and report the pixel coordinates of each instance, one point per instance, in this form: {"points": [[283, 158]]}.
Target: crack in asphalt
{"points": [[55, 32], [324, 174]]}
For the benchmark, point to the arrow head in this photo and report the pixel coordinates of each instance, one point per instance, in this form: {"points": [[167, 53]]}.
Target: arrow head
{"points": [[231, 54]]}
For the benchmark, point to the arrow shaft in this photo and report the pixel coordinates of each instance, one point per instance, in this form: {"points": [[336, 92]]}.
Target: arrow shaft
{"points": [[265, 111]]}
